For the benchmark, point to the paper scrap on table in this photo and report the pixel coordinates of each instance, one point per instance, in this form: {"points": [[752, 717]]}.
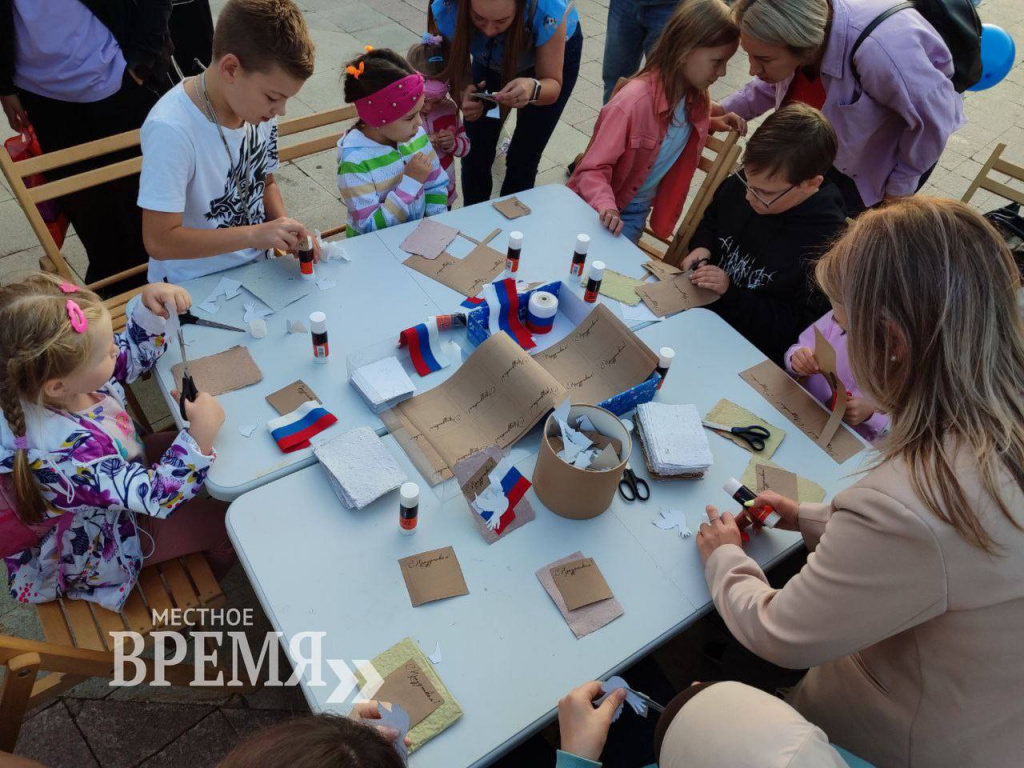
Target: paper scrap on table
{"points": [[325, 284], [226, 288], [248, 429], [512, 208], [433, 575], [223, 372], [467, 275], [429, 239], [209, 307], [442, 717], [661, 270], [435, 657], [583, 620], [507, 511], [673, 518], [675, 295], [297, 326], [580, 583], [731, 415], [807, 490], [635, 701], [394, 717], [287, 399], [810, 417], [274, 282], [254, 311], [640, 313], [620, 287], [410, 688], [777, 479]]}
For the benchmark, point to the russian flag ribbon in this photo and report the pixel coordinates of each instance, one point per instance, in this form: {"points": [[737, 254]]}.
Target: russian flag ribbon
{"points": [[514, 486], [293, 430], [472, 302], [424, 342], [503, 303]]}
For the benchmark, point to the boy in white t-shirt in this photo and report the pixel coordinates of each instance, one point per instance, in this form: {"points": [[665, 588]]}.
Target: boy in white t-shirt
{"points": [[209, 147]]}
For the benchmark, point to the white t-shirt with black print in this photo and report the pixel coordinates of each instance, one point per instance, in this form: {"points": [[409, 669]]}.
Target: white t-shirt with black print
{"points": [[186, 170]]}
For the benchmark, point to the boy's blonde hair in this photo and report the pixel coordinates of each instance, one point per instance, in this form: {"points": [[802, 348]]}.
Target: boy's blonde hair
{"points": [[37, 344], [936, 339], [695, 24], [264, 34]]}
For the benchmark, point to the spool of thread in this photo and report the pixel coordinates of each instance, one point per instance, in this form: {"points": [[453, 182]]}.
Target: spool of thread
{"points": [[541, 311], [258, 327]]}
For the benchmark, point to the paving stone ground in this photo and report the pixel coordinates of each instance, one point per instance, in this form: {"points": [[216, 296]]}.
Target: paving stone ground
{"points": [[95, 725]]}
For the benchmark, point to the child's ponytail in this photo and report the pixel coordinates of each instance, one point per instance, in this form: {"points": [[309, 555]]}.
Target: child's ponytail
{"points": [[29, 502]]}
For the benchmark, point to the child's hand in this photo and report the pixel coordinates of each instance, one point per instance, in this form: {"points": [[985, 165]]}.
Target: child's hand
{"points": [[282, 234], [205, 418], [584, 728], [694, 258], [445, 140], [728, 122], [804, 363], [611, 220], [858, 410], [156, 295], [713, 278], [418, 167], [367, 710], [473, 109]]}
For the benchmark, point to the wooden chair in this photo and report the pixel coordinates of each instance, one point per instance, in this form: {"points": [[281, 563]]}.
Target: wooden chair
{"points": [[986, 178], [724, 155]]}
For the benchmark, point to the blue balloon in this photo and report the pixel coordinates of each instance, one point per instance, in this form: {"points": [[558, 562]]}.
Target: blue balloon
{"points": [[997, 55]]}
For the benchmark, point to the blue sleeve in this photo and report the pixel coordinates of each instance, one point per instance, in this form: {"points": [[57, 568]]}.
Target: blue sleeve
{"points": [[569, 760], [547, 18]]}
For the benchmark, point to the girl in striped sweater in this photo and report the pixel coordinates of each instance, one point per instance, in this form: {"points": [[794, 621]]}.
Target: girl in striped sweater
{"points": [[440, 115], [388, 172]]}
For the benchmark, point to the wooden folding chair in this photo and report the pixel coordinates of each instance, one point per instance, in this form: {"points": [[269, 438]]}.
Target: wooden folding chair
{"points": [[718, 160], [987, 180]]}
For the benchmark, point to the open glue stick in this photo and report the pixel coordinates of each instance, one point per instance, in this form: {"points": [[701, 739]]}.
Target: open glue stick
{"points": [[762, 513]]}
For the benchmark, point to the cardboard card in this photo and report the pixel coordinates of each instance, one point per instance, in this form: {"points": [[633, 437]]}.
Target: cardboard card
{"points": [[472, 475], [512, 208], [731, 415], [429, 239], [291, 397], [410, 688], [580, 583], [825, 354], [468, 275], [223, 372], [776, 479], [675, 294], [810, 417], [661, 270], [807, 490], [620, 287], [583, 620], [433, 575]]}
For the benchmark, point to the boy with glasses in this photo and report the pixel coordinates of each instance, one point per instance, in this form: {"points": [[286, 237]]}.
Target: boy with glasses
{"points": [[765, 225]]}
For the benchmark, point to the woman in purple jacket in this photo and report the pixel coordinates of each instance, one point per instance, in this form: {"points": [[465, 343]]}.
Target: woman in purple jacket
{"points": [[893, 112]]}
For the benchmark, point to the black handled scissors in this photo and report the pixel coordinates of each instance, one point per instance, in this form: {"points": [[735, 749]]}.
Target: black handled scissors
{"points": [[633, 488], [187, 318], [755, 435], [189, 391]]}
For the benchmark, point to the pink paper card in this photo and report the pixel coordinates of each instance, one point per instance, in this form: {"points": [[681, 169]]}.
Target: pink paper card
{"points": [[429, 239]]}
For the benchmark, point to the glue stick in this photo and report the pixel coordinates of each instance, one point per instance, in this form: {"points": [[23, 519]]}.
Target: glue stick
{"points": [[318, 328], [306, 259], [579, 256], [408, 508], [665, 357], [515, 246], [762, 513], [594, 282], [447, 322]]}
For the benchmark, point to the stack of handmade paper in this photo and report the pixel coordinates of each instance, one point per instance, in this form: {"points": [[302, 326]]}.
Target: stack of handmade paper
{"points": [[383, 384], [359, 467], [674, 440]]}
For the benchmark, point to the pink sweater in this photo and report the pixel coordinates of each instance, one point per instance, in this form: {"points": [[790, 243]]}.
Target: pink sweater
{"points": [[445, 116], [871, 429]]}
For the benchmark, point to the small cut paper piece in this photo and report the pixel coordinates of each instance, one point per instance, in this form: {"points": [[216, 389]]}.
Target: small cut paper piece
{"points": [[433, 575], [512, 208], [287, 399], [297, 326], [253, 311], [248, 429], [661, 270], [325, 284], [223, 372], [209, 307], [429, 239], [435, 657], [673, 518], [612, 684]]}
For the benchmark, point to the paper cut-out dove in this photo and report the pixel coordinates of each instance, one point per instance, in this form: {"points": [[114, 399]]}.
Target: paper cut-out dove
{"points": [[673, 518], [632, 697], [253, 311], [396, 718]]}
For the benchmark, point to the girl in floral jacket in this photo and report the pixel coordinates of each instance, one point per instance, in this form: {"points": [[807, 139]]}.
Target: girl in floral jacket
{"points": [[69, 451]]}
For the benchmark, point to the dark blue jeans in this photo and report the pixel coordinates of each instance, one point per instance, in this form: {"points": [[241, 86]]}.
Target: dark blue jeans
{"points": [[534, 126], [633, 29]]}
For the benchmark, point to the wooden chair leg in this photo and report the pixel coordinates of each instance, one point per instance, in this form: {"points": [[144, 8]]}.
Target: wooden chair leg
{"points": [[15, 696]]}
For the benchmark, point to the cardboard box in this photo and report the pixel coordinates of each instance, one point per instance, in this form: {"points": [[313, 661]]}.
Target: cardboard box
{"points": [[569, 491]]}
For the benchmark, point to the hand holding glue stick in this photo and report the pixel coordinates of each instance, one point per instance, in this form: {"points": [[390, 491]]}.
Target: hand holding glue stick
{"points": [[722, 529]]}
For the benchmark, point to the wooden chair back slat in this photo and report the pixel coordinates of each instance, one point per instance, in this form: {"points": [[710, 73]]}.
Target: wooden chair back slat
{"points": [[55, 626], [984, 179], [180, 587]]}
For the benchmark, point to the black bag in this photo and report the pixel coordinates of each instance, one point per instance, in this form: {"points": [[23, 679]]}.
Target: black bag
{"points": [[958, 25], [1010, 224]]}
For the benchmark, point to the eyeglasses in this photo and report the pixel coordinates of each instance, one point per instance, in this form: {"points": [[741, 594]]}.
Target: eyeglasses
{"points": [[742, 176]]}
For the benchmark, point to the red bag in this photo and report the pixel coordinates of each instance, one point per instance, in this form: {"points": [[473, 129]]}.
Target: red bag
{"points": [[23, 147]]}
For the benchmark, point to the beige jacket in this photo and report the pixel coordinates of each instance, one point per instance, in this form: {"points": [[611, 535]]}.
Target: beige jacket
{"points": [[915, 637]]}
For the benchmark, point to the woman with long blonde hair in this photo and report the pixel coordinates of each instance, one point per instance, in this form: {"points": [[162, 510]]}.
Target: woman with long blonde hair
{"points": [[910, 610]]}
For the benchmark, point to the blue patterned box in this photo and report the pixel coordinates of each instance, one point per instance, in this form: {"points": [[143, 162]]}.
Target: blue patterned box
{"points": [[477, 331]]}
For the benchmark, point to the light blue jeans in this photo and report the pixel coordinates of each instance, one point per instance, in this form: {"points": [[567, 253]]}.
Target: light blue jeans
{"points": [[634, 217], [633, 28]]}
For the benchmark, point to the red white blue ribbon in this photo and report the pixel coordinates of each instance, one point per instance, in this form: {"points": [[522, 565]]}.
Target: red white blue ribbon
{"points": [[472, 302], [503, 304], [293, 430], [425, 349]]}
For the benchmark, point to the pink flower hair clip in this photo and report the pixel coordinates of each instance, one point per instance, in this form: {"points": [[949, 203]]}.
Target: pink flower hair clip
{"points": [[66, 287], [79, 322]]}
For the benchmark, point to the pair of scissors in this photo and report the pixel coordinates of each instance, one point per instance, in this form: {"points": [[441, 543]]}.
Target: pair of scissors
{"points": [[189, 391], [755, 435], [187, 318], [633, 488]]}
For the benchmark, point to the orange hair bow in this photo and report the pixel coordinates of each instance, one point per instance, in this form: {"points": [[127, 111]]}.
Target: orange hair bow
{"points": [[356, 72], [368, 48]]}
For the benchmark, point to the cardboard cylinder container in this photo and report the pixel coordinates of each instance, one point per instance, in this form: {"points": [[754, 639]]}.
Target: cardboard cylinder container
{"points": [[569, 491]]}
